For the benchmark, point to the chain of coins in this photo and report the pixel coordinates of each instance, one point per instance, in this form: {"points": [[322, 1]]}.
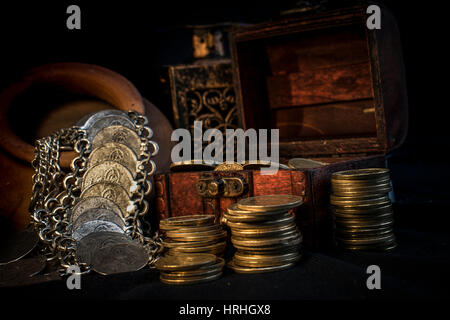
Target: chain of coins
{"points": [[101, 218], [193, 234], [264, 232], [362, 209], [91, 217]]}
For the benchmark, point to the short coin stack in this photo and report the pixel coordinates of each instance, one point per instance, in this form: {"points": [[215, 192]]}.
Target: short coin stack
{"points": [[362, 209], [190, 268], [264, 233], [193, 234]]}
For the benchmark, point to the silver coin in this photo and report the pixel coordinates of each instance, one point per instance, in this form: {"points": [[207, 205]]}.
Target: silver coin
{"points": [[119, 258], [18, 272], [87, 121], [110, 171], [113, 192], [94, 202], [89, 244], [116, 152], [118, 134], [95, 226], [17, 245], [102, 123], [98, 214]]}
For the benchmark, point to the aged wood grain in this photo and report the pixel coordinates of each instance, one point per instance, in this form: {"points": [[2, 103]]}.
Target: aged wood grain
{"points": [[336, 120], [319, 86], [321, 60]]}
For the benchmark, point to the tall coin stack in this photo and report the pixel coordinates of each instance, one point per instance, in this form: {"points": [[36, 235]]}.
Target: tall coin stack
{"points": [[193, 234], [98, 218], [362, 209], [264, 232]]}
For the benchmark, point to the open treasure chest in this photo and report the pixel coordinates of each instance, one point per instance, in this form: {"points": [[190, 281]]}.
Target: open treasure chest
{"points": [[334, 89]]}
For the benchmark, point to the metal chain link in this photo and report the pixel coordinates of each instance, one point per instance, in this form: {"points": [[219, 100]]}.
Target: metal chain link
{"points": [[146, 168], [54, 193]]}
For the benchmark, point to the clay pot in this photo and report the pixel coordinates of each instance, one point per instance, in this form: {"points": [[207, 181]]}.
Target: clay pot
{"points": [[57, 96]]}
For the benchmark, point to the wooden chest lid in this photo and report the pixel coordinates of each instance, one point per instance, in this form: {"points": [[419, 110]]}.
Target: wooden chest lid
{"points": [[327, 82]]}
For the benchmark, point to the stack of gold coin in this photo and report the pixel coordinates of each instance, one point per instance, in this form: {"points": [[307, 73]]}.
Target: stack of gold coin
{"points": [[362, 209], [264, 232], [189, 268], [193, 234]]}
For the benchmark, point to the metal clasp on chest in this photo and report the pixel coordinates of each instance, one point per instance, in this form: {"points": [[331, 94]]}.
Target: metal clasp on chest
{"points": [[228, 187]]}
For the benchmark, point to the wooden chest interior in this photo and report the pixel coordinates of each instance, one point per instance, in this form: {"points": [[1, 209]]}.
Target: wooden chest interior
{"points": [[307, 88], [321, 81]]}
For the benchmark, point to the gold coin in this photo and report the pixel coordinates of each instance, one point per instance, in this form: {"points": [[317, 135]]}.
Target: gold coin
{"points": [[361, 217], [365, 223], [262, 264], [368, 240], [295, 246], [110, 172], [216, 236], [352, 186], [258, 164], [188, 220], [367, 200], [265, 242], [253, 218], [229, 167], [361, 174], [215, 248], [189, 274], [263, 257], [190, 280], [283, 220], [266, 262], [362, 205], [184, 262], [176, 251], [181, 234], [189, 166], [200, 228], [278, 245], [361, 192], [286, 233], [382, 243], [264, 232], [202, 271], [169, 243], [386, 246], [360, 234], [232, 265], [235, 210], [110, 191], [118, 134], [301, 163], [360, 183], [207, 229], [387, 208], [273, 202], [116, 152]]}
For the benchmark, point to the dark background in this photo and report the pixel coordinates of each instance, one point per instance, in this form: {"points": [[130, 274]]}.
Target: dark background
{"points": [[135, 39]]}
